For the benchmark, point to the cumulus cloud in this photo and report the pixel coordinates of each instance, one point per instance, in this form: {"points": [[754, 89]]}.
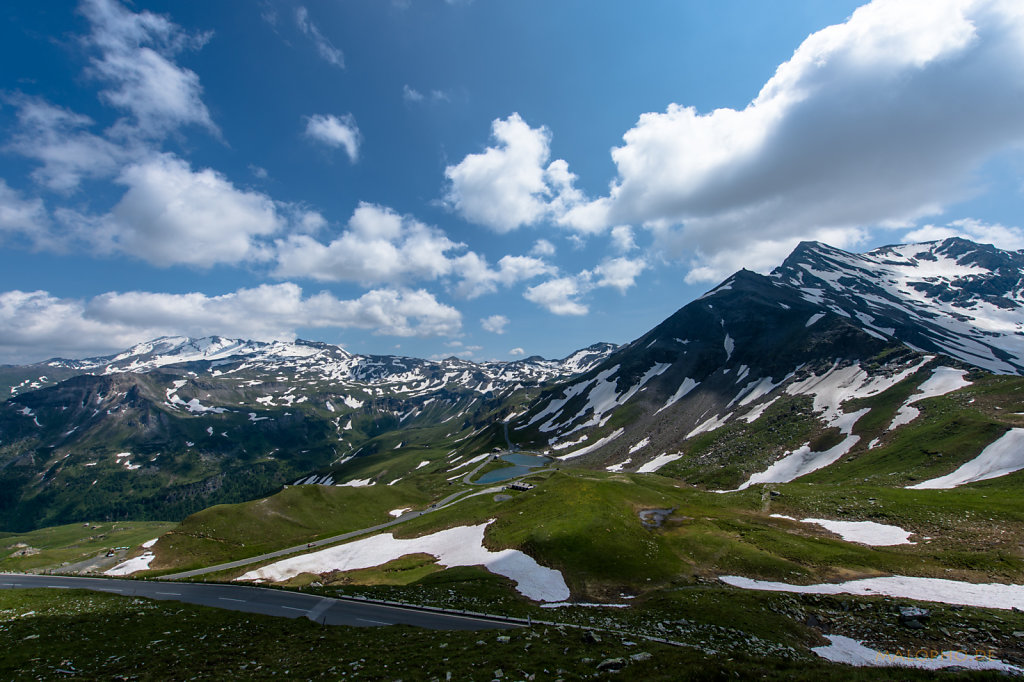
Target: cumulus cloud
{"points": [[382, 246], [559, 295], [1000, 236], [543, 248], [622, 238], [327, 51], [562, 295], [379, 246], [35, 324], [171, 214], [136, 62], [517, 351], [335, 131], [512, 184], [495, 324], [619, 273], [879, 119], [479, 278]]}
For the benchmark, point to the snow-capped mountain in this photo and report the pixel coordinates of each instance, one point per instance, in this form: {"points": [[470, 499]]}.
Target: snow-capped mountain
{"points": [[750, 383], [955, 297], [309, 360], [825, 327]]}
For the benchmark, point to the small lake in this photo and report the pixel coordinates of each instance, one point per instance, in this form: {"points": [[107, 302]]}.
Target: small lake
{"points": [[521, 465]]}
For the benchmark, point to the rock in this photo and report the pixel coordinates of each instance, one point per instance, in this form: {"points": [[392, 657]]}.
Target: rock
{"points": [[504, 639], [642, 656], [591, 637], [1018, 633], [812, 621], [914, 617], [612, 664], [499, 673]]}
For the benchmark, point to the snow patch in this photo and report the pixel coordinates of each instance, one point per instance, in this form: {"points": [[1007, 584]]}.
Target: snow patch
{"points": [[942, 381], [134, 565], [640, 444], [984, 595], [1004, 456], [460, 546], [864, 532], [684, 388], [593, 446], [658, 462], [357, 483], [850, 651]]}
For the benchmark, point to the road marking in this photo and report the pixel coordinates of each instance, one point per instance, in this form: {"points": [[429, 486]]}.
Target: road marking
{"points": [[59, 587], [320, 609], [292, 608], [230, 599], [375, 622], [176, 594]]}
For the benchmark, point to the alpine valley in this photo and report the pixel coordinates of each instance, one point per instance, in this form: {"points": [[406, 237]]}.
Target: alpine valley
{"points": [[824, 462]]}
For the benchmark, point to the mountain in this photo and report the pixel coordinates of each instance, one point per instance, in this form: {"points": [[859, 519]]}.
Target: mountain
{"points": [[756, 370], [175, 425], [955, 297], [764, 378]]}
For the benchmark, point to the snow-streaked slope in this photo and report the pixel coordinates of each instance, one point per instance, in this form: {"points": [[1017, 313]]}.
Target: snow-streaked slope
{"points": [[956, 297], [1002, 457]]}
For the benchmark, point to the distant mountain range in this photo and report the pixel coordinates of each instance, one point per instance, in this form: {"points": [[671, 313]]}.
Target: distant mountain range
{"points": [[745, 384]]}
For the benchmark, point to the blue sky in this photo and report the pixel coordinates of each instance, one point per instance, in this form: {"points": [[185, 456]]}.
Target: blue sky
{"points": [[482, 178]]}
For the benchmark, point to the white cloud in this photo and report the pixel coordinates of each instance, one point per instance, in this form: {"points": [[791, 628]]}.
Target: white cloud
{"points": [[508, 185], [24, 217], [174, 215], [559, 296], [478, 278], [1000, 236], [379, 246], [495, 324], [622, 238], [327, 51], [619, 273], [543, 248], [517, 351], [411, 94], [57, 138], [35, 325], [135, 60], [335, 131], [877, 120]]}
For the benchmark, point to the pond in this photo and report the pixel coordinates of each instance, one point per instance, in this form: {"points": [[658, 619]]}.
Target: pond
{"points": [[521, 465]]}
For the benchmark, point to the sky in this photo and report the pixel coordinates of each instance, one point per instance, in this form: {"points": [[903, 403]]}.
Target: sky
{"points": [[491, 179]]}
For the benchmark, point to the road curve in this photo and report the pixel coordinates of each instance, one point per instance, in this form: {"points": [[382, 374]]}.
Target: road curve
{"points": [[249, 599]]}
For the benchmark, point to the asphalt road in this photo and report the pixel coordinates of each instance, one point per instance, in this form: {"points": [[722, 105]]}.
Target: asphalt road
{"points": [[269, 602]]}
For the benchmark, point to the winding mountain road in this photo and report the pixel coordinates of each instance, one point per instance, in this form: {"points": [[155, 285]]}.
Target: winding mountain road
{"points": [[250, 599]]}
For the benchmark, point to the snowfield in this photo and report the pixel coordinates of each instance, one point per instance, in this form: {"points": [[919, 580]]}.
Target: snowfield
{"points": [[985, 595], [942, 381], [864, 532], [461, 546], [1000, 458], [139, 563], [845, 650]]}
